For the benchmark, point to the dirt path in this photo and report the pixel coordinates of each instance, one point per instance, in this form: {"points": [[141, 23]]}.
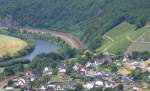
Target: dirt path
{"points": [[108, 37], [133, 42], [129, 38], [68, 37]]}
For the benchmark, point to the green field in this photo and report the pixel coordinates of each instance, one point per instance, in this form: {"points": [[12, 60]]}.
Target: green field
{"points": [[119, 39], [142, 43], [10, 45], [147, 36]]}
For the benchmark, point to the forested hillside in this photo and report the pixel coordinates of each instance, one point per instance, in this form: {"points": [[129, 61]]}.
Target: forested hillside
{"points": [[88, 19]]}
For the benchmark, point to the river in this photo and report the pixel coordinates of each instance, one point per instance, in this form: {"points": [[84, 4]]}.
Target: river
{"points": [[41, 46]]}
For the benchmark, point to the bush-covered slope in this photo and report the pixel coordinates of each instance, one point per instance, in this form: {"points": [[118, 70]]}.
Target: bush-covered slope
{"points": [[87, 18]]}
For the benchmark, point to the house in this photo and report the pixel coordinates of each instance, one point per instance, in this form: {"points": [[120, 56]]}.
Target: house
{"points": [[126, 79], [99, 62], [89, 85], [129, 61], [138, 87], [109, 85], [26, 88], [98, 84], [21, 82], [83, 71], [90, 65], [62, 68], [36, 74], [43, 88], [80, 68], [56, 86], [99, 74], [71, 84], [47, 71], [135, 65]]}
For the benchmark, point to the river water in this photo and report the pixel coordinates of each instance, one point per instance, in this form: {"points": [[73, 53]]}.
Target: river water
{"points": [[41, 46]]}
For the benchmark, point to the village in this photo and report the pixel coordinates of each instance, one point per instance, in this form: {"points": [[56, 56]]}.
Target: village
{"points": [[88, 76]]}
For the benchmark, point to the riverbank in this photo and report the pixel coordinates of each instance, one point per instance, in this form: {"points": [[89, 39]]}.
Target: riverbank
{"points": [[68, 37]]}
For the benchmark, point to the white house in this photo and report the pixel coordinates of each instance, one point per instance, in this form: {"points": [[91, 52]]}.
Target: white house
{"points": [[62, 68], [47, 71], [88, 64], [42, 88], [99, 62], [20, 82], [99, 84]]}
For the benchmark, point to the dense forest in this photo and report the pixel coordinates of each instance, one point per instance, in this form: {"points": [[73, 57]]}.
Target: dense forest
{"points": [[88, 19]]}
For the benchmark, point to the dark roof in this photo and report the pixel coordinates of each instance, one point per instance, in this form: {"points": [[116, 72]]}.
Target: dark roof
{"points": [[62, 66], [37, 73]]}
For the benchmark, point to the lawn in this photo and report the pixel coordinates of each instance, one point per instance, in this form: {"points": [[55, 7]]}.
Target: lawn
{"points": [[119, 39], [10, 45]]}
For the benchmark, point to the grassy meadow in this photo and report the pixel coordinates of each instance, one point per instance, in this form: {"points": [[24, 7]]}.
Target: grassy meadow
{"points": [[10, 45]]}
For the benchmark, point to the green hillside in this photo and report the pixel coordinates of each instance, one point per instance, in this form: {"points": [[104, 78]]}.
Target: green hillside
{"points": [[142, 43], [119, 39], [88, 19]]}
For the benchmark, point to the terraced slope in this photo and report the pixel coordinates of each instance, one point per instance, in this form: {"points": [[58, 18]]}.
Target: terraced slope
{"points": [[142, 43], [119, 39], [10, 45]]}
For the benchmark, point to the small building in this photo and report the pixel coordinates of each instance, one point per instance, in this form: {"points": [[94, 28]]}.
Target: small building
{"points": [[36, 74], [126, 79], [98, 84], [43, 88], [138, 87], [57, 86], [80, 68], [99, 62], [47, 71], [89, 85], [21, 82], [88, 64], [71, 84], [62, 68]]}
